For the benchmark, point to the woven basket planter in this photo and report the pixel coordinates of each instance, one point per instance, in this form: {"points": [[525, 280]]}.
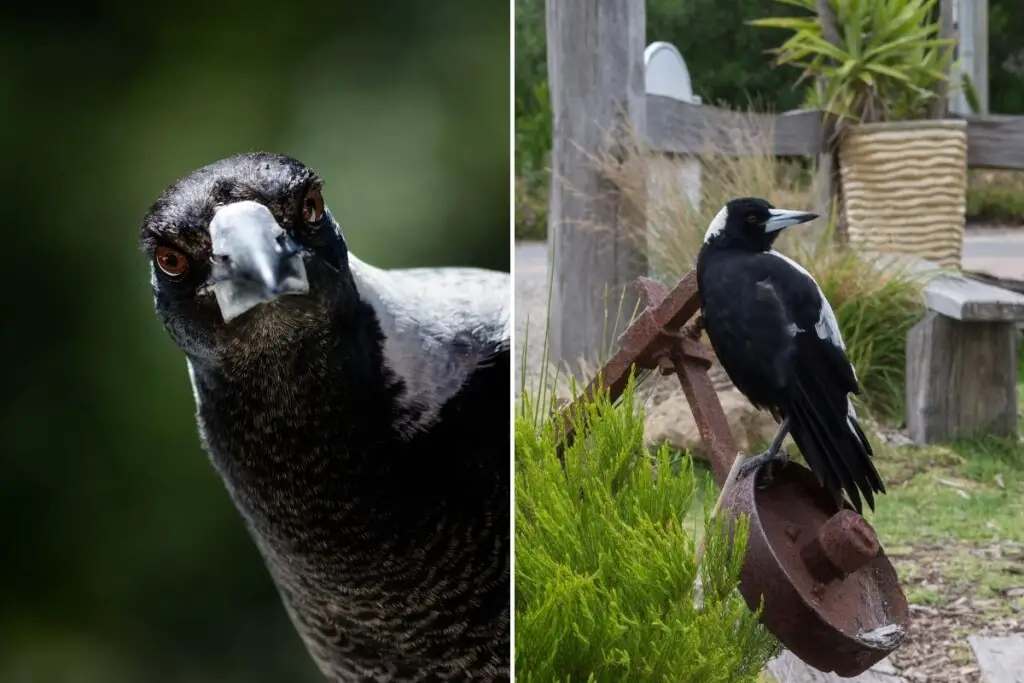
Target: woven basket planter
{"points": [[905, 188]]}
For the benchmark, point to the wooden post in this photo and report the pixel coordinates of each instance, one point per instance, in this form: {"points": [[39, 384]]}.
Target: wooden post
{"points": [[940, 104], [829, 182], [595, 236], [979, 73], [972, 25]]}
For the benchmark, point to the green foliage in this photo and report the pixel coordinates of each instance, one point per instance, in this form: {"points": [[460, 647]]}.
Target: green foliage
{"points": [[605, 573], [886, 66], [532, 208], [996, 196], [533, 131], [533, 149], [970, 92], [1005, 57]]}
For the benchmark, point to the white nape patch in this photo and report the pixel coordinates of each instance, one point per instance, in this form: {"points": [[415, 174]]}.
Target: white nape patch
{"points": [[435, 322], [827, 326], [717, 224]]}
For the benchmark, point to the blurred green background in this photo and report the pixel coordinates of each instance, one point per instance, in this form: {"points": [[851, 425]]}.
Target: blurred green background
{"points": [[121, 557]]}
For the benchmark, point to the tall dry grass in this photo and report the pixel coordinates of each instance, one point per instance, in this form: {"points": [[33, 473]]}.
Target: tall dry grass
{"points": [[875, 304], [675, 223]]}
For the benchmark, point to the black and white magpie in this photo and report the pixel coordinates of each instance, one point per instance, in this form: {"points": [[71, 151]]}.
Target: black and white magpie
{"points": [[358, 417], [777, 338]]}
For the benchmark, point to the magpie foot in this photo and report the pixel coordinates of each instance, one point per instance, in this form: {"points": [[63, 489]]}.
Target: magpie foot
{"points": [[773, 462]]}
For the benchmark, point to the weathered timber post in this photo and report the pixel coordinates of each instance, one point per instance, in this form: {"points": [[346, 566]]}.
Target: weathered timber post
{"points": [[941, 103], [595, 235], [830, 184]]}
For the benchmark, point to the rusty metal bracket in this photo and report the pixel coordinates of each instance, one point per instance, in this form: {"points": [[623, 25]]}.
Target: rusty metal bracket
{"points": [[830, 594]]}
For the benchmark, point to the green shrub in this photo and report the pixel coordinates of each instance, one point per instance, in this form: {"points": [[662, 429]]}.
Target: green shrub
{"points": [[887, 64], [996, 197], [532, 207], [533, 132], [605, 573]]}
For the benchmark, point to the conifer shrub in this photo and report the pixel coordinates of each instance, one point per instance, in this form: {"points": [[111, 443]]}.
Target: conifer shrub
{"points": [[606, 582]]}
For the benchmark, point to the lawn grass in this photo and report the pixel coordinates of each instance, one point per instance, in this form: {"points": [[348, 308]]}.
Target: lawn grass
{"points": [[953, 520]]}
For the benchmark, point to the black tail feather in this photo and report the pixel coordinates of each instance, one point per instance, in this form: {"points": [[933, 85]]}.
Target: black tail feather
{"points": [[832, 443]]}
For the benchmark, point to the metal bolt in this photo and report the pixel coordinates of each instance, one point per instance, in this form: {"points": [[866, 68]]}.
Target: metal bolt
{"points": [[844, 544]]}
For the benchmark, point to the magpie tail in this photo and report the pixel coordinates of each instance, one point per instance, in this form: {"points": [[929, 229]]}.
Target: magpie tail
{"points": [[832, 442]]}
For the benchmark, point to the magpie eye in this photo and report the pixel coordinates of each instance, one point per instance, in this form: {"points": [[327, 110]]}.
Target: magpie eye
{"points": [[752, 219], [171, 261], [313, 207]]}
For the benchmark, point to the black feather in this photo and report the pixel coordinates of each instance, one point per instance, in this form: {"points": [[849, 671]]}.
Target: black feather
{"points": [[387, 533], [776, 337]]}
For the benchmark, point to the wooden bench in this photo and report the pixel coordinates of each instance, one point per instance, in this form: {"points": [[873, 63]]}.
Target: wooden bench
{"points": [[962, 361]]}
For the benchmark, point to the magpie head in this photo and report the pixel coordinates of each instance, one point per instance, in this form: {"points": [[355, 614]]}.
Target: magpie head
{"points": [[244, 253], [751, 223]]}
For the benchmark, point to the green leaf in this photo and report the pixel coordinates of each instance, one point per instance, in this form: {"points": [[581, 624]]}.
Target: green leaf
{"points": [[791, 23], [890, 60]]}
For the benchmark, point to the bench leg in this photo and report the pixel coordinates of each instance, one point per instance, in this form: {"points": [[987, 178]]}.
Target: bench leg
{"points": [[961, 379]]}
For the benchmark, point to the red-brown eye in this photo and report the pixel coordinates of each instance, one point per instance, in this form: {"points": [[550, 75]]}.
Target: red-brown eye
{"points": [[171, 261], [313, 207], [752, 219]]}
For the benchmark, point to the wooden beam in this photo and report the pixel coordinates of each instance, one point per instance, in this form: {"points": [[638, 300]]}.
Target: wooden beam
{"points": [[961, 379], [675, 126], [971, 301], [595, 237], [995, 141]]}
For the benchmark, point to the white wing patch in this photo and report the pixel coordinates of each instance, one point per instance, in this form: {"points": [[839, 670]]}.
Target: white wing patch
{"points": [[435, 324], [827, 326], [851, 415], [717, 224]]}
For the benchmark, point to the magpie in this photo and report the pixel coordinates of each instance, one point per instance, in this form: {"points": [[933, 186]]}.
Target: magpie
{"points": [[358, 417], [777, 338]]}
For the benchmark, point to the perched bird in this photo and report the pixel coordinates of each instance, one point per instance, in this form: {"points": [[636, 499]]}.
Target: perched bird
{"points": [[358, 417], [777, 338]]}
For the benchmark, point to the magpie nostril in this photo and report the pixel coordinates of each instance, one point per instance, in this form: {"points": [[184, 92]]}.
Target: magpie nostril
{"points": [[287, 246]]}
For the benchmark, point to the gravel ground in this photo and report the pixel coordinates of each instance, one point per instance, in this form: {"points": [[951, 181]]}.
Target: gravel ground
{"points": [[531, 303]]}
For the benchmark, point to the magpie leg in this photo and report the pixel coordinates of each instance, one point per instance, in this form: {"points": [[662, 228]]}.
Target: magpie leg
{"points": [[774, 455]]}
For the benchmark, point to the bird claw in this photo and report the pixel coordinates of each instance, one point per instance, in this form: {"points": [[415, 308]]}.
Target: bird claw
{"points": [[769, 460]]}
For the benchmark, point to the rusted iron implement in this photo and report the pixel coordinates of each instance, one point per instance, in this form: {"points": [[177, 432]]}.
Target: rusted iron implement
{"points": [[830, 594]]}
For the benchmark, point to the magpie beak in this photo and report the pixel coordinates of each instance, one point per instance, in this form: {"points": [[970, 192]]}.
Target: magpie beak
{"points": [[781, 218], [254, 259]]}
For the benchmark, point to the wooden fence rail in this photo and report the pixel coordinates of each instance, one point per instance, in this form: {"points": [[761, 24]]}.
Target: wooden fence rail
{"points": [[675, 126]]}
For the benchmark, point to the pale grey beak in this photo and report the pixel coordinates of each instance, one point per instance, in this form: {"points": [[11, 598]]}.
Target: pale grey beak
{"points": [[781, 218], [255, 261]]}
